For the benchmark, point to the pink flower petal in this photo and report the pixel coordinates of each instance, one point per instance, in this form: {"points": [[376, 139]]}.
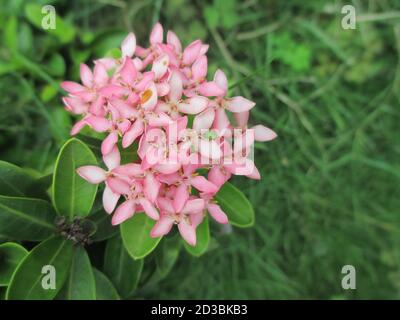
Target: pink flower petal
{"points": [[204, 120], [100, 75], [99, 124], [110, 200], [221, 121], [239, 104], [113, 158], [149, 209], [162, 227], [210, 89], [92, 174], [78, 127], [194, 206], [262, 133], [125, 211], [217, 176], [151, 187], [191, 52], [86, 75], [187, 232], [75, 105], [128, 45], [118, 185], [241, 118], [209, 149], [148, 98], [221, 80], [156, 35], [108, 143], [165, 205], [175, 84], [203, 185], [128, 71], [193, 105], [129, 169], [72, 87], [160, 66], [199, 68], [173, 40], [217, 213], [133, 133], [181, 197]]}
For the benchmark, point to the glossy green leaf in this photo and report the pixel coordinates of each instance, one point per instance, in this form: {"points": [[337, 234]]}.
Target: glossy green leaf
{"points": [[105, 230], [121, 268], [104, 288], [167, 254], [14, 181], [11, 255], [26, 218], [72, 195], [32, 280], [135, 234], [80, 284], [236, 206], [202, 241], [63, 30]]}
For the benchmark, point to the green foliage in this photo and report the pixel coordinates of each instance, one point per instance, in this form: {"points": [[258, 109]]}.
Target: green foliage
{"points": [[26, 282], [72, 195], [203, 239], [135, 234], [11, 255], [104, 288]]}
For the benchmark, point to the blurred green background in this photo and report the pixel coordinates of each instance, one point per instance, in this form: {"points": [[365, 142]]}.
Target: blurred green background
{"points": [[330, 189]]}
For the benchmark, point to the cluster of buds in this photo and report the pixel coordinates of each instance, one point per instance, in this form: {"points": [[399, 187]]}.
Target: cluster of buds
{"points": [[160, 98]]}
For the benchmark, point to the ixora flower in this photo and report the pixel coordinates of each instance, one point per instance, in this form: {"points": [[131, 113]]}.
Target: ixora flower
{"points": [[148, 95]]}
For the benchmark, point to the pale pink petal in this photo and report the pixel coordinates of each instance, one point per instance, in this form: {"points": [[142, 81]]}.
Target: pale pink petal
{"points": [[148, 98], [175, 84], [217, 176], [203, 49], [169, 178], [147, 78], [193, 105], [255, 174], [160, 66], [181, 197], [194, 206], [128, 71], [100, 75], [124, 109], [110, 199], [204, 120], [151, 187], [191, 52], [165, 205], [72, 87], [92, 174], [196, 219], [133, 133], [108, 143], [112, 90], [78, 127], [75, 105], [99, 124], [173, 40], [239, 104], [162, 89], [203, 185], [162, 227], [221, 80], [113, 158], [242, 118], [210, 89], [217, 213], [118, 185], [123, 212], [221, 121], [209, 149], [262, 133], [187, 232], [199, 68], [156, 35], [130, 169], [167, 168], [128, 45], [149, 209], [86, 75]]}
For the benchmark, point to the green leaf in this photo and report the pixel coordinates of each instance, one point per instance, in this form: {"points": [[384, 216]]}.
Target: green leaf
{"points": [[104, 288], [167, 254], [105, 230], [211, 16], [135, 234], [47, 93], [11, 255], [13, 180], [10, 34], [80, 284], [72, 195], [236, 206], [121, 268], [29, 277], [26, 218], [203, 239], [63, 30], [55, 65]]}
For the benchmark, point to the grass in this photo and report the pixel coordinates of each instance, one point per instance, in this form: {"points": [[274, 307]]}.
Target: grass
{"points": [[330, 186]]}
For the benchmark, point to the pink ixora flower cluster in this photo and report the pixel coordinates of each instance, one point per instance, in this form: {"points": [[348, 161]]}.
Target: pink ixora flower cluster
{"points": [[160, 97]]}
